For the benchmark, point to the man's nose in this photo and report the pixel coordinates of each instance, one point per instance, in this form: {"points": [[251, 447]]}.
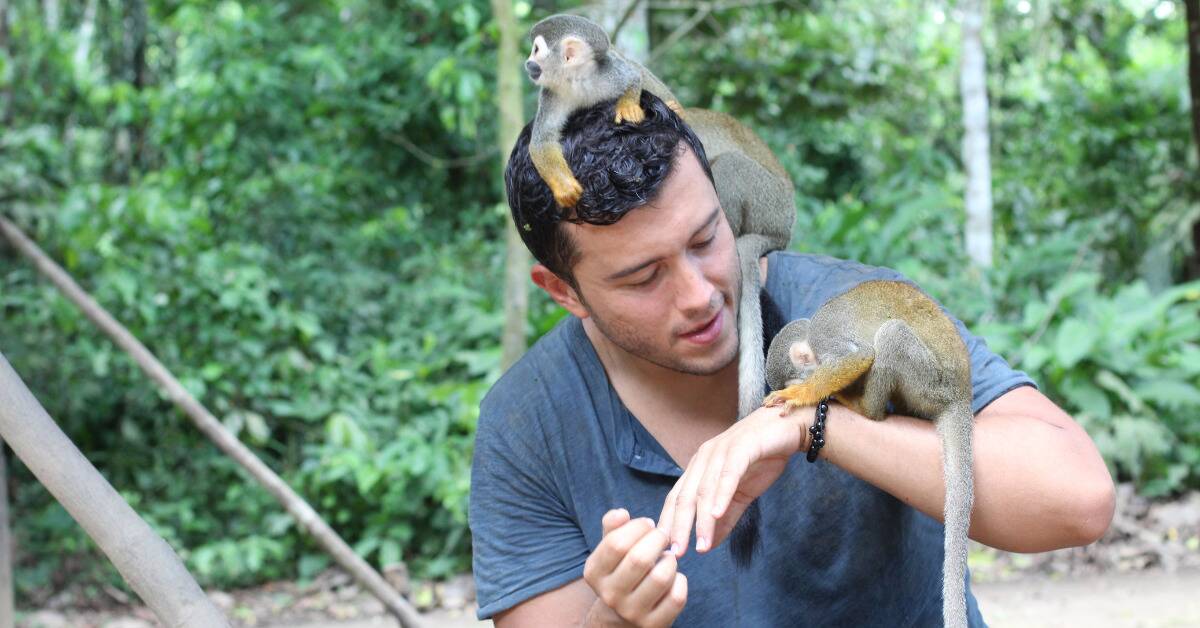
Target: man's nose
{"points": [[693, 291]]}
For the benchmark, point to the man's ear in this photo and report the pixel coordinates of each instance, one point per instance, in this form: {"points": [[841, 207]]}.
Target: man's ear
{"points": [[558, 289]]}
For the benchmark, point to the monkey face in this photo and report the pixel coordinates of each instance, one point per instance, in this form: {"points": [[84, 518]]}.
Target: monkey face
{"points": [[538, 55], [550, 65]]}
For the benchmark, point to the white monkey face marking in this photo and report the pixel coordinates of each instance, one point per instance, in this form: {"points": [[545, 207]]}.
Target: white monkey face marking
{"points": [[535, 65]]}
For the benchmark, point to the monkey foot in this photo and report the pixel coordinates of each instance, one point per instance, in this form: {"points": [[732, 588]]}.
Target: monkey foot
{"points": [[629, 112], [566, 191], [675, 106]]}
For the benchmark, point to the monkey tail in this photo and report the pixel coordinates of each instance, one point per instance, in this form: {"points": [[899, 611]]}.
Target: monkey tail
{"points": [[955, 425], [743, 540], [752, 378]]}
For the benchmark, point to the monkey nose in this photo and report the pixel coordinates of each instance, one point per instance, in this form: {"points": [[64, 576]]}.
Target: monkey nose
{"points": [[534, 70]]}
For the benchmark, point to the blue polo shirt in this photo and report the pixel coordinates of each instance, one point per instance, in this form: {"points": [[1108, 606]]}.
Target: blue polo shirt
{"points": [[556, 449]]}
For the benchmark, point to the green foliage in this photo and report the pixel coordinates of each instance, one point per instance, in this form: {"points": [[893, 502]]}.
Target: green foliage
{"points": [[1127, 366]]}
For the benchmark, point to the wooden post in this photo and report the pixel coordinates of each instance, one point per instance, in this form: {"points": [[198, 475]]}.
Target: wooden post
{"points": [[146, 562], [8, 609]]}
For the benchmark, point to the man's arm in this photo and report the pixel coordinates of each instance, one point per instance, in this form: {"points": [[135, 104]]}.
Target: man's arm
{"points": [[1040, 483]]}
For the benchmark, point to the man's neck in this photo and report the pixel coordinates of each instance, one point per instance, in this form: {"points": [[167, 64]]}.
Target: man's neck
{"points": [[644, 384]]}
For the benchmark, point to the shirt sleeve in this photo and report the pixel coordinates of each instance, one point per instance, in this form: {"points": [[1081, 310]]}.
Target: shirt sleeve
{"points": [[526, 541]]}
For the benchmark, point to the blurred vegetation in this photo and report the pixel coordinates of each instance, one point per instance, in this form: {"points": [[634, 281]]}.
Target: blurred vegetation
{"points": [[296, 205]]}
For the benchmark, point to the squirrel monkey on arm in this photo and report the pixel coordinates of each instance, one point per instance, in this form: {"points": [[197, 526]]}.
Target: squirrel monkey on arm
{"points": [[881, 342]]}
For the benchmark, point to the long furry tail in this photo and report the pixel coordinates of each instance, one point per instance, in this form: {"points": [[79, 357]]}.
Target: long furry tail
{"points": [[752, 378], [955, 426]]}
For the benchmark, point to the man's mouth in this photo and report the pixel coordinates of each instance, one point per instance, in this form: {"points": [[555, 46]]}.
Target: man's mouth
{"points": [[708, 332]]}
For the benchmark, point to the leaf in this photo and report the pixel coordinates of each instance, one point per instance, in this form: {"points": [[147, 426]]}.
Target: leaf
{"points": [[1169, 392], [1111, 381], [1075, 341], [1087, 398]]}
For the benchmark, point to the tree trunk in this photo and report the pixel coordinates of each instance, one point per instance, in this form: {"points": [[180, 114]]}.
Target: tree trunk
{"points": [[146, 562], [512, 119], [301, 511], [1192, 14], [1192, 9], [53, 15], [975, 138], [7, 607], [87, 29], [5, 93], [136, 50]]}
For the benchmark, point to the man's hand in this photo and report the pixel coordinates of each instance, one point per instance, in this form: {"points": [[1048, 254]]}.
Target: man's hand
{"points": [[727, 473], [631, 574]]}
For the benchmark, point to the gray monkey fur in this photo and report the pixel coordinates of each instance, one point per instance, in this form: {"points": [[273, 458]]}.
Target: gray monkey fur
{"points": [[918, 362]]}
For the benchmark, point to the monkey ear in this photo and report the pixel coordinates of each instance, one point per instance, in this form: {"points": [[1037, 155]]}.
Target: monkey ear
{"points": [[574, 50]]}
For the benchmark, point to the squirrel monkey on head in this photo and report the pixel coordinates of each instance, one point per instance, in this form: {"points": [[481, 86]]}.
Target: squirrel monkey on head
{"points": [[575, 66], [881, 342]]}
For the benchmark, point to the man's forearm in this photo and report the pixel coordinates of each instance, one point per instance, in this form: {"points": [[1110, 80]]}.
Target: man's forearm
{"points": [[1040, 483]]}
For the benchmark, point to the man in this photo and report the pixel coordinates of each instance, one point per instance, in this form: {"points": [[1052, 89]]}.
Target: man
{"points": [[581, 442]]}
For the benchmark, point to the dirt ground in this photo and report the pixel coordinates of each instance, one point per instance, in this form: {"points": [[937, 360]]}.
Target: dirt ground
{"points": [[1149, 599], [1152, 599]]}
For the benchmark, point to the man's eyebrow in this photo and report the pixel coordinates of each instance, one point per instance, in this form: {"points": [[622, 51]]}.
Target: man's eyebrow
{"points": [[712, 218]]}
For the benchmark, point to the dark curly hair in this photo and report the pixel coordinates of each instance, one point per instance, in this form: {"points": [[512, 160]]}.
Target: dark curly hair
{"points": [[620, 166]]}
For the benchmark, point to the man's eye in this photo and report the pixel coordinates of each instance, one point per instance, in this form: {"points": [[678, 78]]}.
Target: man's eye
{"points": [[646, 282], [707, 242]]}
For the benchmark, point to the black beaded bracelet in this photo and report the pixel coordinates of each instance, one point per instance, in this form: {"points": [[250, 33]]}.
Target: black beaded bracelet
{"points": [[817, 430]]}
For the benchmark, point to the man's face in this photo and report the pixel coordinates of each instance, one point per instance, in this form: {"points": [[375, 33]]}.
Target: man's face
{"points": [[662, 283]]}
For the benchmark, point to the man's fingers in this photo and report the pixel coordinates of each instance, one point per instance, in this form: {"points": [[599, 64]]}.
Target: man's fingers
{"points": [[704, 500], [614, 519], [671, 604], [613, 548], [727, 485], [639, 560], [654, 586], [685, 501]]}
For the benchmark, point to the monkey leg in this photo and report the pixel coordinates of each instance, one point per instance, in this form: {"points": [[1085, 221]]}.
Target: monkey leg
{"points": [[829, 377], [629, 108], [906, 373], [549, 161], [754, 199]]}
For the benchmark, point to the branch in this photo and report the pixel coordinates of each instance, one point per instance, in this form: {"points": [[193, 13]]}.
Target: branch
{"points": [[624, 18], [680, 31], [433, 161]]}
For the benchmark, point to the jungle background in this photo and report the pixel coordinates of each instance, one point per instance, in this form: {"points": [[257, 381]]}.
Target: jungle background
{"points": [[297, 205]]}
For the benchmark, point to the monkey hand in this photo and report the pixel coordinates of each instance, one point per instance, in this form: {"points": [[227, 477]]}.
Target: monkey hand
{"points": [[629, 111], [726, 474]]}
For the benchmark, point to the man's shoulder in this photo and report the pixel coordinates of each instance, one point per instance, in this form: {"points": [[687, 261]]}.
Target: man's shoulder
{"points": [[542, 382], [801, 282]]}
